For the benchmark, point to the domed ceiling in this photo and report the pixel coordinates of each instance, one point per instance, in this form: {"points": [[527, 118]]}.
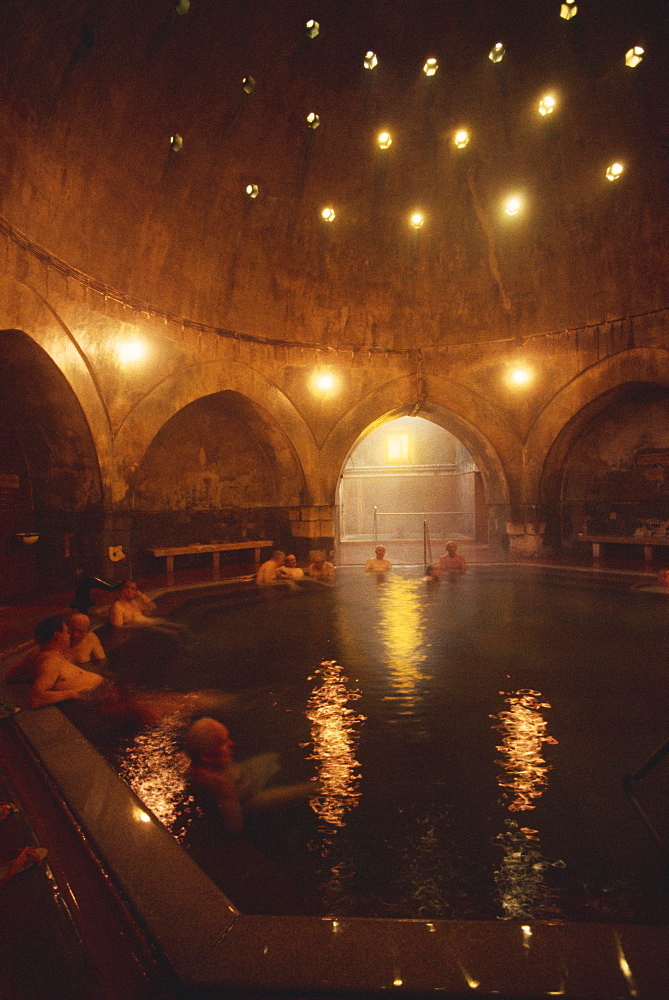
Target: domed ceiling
{"points": [[96, 93]]}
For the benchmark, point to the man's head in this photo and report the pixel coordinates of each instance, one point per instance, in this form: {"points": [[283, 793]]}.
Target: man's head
{"points": [[451, 547], [79, 625], [128, 590], [291, 561], [279, 557], [319, 559], [380, 551], [52, 632], [208, 742]]}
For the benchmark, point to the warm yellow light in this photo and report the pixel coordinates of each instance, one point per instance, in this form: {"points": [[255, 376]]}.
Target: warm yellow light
{"points": [[384, 140], [520, 376], [312, 28], [568, 10], [141, 815], [252, 190], [313, 120], [398, 447], [417, 220], [431, 66], [324, 381], [547, 104], [370, 60], [176, 142], [130, 351], [634, 56], [512, 206], [248, 84], [614, 171], [328, 214], [497, 53], [461, 138]]}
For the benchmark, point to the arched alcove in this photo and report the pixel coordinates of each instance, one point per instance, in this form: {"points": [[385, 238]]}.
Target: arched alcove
{"points": [[608, 471], [403, 475], [49, 474], [220, 469]]}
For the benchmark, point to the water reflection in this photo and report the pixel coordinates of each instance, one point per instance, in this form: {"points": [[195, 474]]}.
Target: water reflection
{"points": [[402, 626], [334, 736], [523, 891], [155, 768]]}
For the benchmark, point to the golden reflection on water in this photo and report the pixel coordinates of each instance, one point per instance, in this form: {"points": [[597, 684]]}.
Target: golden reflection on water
{"points": [[520, 880], [402, 627], [155, 768], [334, 736]]}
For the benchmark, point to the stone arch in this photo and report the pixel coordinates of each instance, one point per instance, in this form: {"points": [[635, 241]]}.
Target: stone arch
{"points": [[269, 406], [447, 405], [51, 474], [568, 413]]}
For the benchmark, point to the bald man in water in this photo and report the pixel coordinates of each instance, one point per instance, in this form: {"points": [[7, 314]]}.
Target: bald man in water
{"points": [[85, 647]]}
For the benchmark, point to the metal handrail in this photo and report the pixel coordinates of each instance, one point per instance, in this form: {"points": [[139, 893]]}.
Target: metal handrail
{"points": [[655, 758]]}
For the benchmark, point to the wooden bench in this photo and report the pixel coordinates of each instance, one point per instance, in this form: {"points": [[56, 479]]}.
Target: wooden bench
{"points": [[214, 547], [647, 541]]}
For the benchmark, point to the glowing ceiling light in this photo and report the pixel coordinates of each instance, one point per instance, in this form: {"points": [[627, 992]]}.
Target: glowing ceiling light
{"points": [[614, 171], [248, 84], [384, 140], [461, 138], [324, 381], [547, 104], [312, 28], [141, 816], [431, 66], [370, 60], [176, 142], [252, 190], [520, 376], [328, 214], [512, 205], [634, 56], [130, 351], [417, 219], [568, 10], [497, 52], [313, 120]]}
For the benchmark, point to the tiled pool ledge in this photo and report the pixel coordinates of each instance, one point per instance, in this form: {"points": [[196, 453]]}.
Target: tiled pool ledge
{"points": [[211, 946]]}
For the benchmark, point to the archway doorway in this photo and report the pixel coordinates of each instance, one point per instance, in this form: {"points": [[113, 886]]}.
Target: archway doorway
{"points": [[410, 485]]}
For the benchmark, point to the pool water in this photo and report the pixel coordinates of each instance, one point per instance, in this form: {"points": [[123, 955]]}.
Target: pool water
{"points": [[470, 739]]}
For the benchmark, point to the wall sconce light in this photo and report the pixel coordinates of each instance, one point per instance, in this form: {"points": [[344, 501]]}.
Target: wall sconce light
{"points": [[176, 142], [634, 56], [313, 120], [248, 85], [416, 220], [312, 28], [328, 214], [323, 381], [497, 53], [370, 60], [26, 537], [547, 105], [513, 205], [431, 66], [461, 138], [385, 140], [130, 351], [252, 190], [520, 376], [614, 171], [568, 10]]}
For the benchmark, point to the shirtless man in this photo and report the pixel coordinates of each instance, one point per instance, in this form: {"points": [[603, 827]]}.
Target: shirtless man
{"points": [[236, 788], [290, 570], [321, 570], [85, 647], [452, 562], [57, 678], [379, 564], [269, 571], [131, 607]]}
